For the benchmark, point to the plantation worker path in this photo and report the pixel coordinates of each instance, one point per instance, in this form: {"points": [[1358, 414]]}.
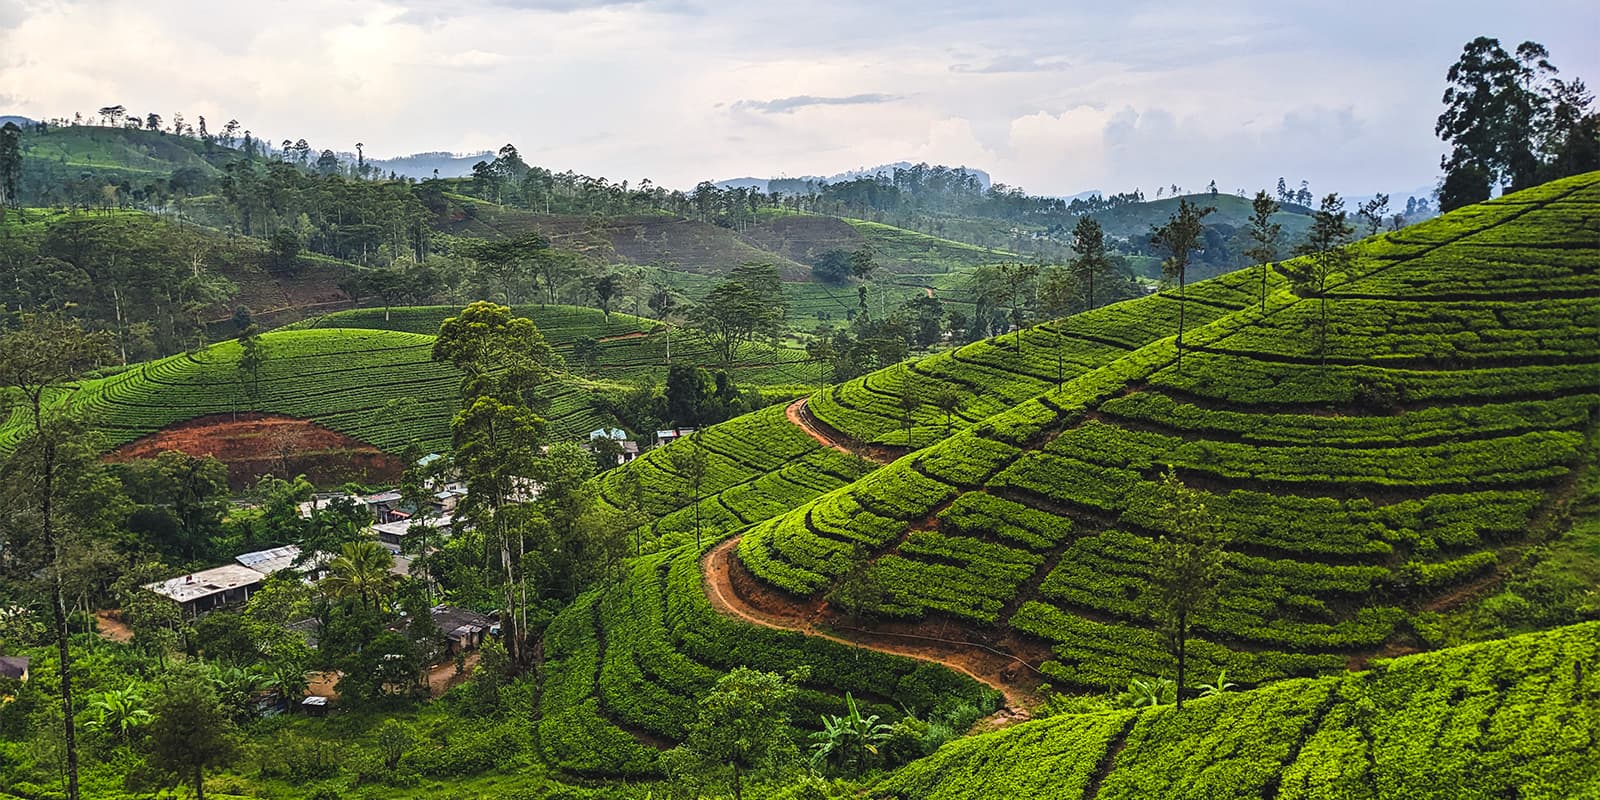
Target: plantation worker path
{"points": [[802, 418], [736, 593]]}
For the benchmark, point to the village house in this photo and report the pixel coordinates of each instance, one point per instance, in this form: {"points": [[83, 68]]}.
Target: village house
{"points": [[385, 506], [626, 449], [207, 590], [394, 534], [463, 630], [324, 500], [274, 559], [670, 436]]}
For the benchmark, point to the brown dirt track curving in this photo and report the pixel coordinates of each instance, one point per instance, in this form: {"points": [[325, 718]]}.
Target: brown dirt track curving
{"points": [[733, 591]]}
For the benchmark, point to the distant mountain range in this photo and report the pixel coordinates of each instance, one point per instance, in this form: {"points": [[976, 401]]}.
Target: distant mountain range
{"points": [[886, 170], [423, 165]]}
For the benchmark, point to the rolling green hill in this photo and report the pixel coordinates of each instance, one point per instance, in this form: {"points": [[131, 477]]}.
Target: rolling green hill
{"points": [[381, 387], [1512, 718], [1459, 392], [1232, 210], [630, 348], [1459, 386]]}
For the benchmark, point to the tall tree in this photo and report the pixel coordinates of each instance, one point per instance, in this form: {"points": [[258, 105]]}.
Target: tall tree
{"points": [[1325, 255], [1494, 108], [252, 356], [1264, 235], [1183, 233], [688, 459], [1057, 288], [1373, 212], [497, 436], [909, 401], [1187, 565], [45, 350], [10, 167], [750, 303], [1090, 260], [191, 732], [605, 290]]}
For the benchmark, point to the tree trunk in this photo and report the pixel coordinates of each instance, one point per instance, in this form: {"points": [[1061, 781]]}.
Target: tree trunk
{"points": [[1322, 332], [1263, 286], [738, 791], [199, 784], [1181, 298], [58, 607], [1183, 649]]}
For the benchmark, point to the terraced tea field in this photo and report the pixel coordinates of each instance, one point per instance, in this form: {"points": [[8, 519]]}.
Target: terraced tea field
{"points": [[1448, 412], [1512, 718], [381, 387]]}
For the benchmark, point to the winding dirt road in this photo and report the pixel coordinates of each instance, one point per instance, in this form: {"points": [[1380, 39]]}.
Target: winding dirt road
{"points": [[734, 592], [802, 418]]}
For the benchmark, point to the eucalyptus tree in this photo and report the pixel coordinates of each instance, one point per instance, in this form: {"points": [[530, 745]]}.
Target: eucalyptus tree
{"points": [[1182, 234]]}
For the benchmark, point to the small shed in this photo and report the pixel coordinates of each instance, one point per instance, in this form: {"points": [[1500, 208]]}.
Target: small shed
{"points": [[206, 590], [14, 667], [463, 630], [314, 705], [670, 436]]}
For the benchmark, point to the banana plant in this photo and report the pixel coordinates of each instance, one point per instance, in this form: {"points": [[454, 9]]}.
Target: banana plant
{"points": [[1222, 685], [846, 741]]}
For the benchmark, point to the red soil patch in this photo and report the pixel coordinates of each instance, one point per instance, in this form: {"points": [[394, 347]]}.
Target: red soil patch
{"points": [[108, 623], [622, 337], [734, 591], [253, 445]]}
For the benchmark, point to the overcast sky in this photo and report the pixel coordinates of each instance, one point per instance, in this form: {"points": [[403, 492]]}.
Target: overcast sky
{"points": [[1056, 97]]}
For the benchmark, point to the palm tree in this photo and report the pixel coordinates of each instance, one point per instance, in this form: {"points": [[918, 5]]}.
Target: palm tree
{"points": [[120, 712], [361, 570]]}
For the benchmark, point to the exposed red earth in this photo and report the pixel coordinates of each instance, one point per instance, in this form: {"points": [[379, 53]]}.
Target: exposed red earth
{"points": [[254, 444]]}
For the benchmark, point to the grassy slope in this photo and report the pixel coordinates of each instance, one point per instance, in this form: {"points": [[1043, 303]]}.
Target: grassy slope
{"points": [[1502, 719], [625, 358], [1230, 210], [669, 242], [1462, 374], [134, 154], [344, 378]]}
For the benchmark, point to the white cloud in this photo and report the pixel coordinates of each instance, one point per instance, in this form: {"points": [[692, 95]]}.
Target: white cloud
{"points": [[1051, 96]]}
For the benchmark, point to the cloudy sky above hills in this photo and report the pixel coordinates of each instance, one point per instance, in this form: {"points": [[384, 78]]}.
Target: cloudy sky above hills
{"points": [[1056, 97]]}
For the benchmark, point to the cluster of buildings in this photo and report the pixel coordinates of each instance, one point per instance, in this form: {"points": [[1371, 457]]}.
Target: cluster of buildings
{"points": [[394, 521]]}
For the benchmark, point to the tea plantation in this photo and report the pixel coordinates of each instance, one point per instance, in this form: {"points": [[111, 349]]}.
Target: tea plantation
{"points": [[378, 386], [1457, 392], [626, 664], [1511, 718]]}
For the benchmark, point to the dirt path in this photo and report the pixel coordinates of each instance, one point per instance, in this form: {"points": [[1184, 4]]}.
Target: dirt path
{"points": [[108, 623], [442, 677], [802, 418], [622, 337], [735, 593]]}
